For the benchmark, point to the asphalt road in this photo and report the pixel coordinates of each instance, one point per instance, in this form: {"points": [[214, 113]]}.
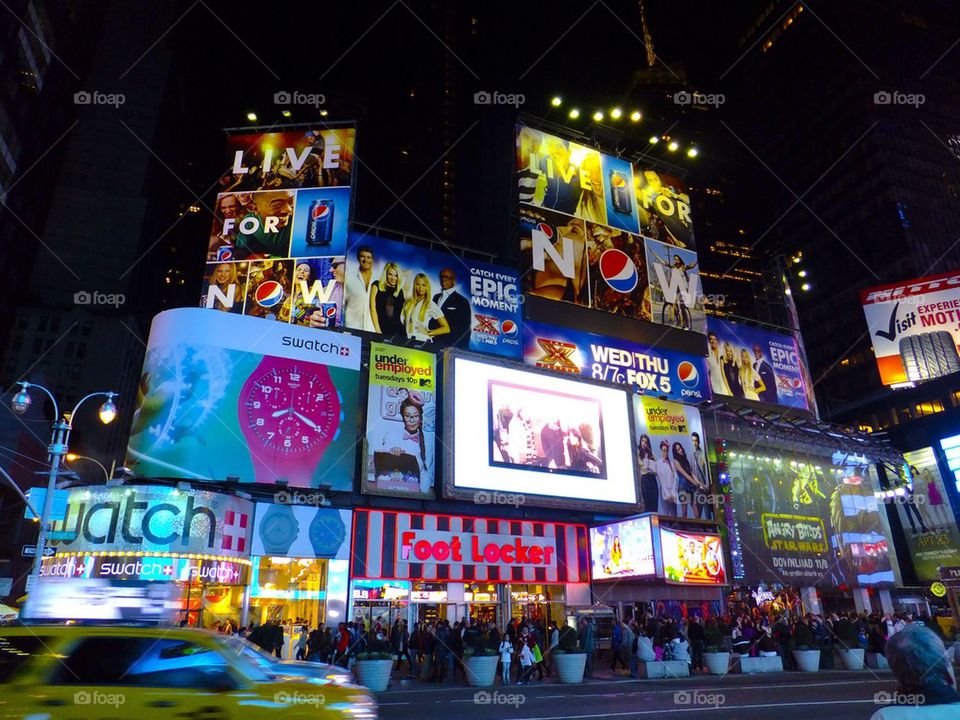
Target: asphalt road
{"points": [[839, 695]]}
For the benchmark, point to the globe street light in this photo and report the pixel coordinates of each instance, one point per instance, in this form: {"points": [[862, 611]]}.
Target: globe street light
{"points": [[59, 440]]}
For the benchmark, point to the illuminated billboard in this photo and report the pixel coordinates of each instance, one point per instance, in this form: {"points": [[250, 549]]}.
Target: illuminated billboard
{"points": [[226, 397], [598, 232], [692, 558], [926, 516], [553, 440], [803, 520], [913, 327], [400, 439], [405, 293], [749, 363], [276, 248], [623, 549], [655, 371]]}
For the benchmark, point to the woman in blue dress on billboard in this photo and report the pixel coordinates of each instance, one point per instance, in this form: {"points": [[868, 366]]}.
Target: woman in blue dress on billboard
{"points": [[386, 302]]}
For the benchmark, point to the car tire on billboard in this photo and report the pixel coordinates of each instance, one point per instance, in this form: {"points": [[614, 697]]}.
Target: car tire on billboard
{"points": [[930, 355]]}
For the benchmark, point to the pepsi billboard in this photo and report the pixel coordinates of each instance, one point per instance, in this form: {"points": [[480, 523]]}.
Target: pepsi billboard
{"points": [[750, 363], [656, 371], [276, 248], [407, 294], [598, 232]]}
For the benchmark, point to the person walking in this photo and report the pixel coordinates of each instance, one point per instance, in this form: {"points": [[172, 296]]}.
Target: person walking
{"points": [[526, 663], [615, 640], [552, 645], [587, 644], [506, 659], [695, 634]]}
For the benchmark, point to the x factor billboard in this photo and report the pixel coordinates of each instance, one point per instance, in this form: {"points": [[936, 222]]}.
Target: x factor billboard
{"points": [[654, 371], [914, 327], [598, 232], [404, 293], [279, 232], [225, 397], [750, 363]]}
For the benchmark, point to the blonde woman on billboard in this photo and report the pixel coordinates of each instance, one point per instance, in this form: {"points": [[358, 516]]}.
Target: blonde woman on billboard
{"points": [[386, 302], [419, 310], [591, 206], [731, 371], [933, 502], [749, 378]]}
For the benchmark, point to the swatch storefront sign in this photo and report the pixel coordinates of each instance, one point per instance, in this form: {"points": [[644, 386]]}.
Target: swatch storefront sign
{"points": [[155, 519]]}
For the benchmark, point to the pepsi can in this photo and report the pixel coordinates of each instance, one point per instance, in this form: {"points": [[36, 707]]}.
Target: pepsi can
{"points": [[329, 313], [224, 253], [620, 193], [320, 223]]}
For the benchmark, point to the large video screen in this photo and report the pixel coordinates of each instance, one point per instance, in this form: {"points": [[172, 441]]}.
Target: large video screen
{"points": [[806, 520], [913, 328], [544, 437], [227, 397], [929, 525], [623, 549], [692, 558]]}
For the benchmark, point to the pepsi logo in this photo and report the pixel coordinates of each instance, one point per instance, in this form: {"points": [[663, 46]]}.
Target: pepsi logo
{"points": [[687, 372], [268, 294], [796, 382], [509, 328], [330, 311], [618, 270], [320, 210], [545, 229], [225, 253]]}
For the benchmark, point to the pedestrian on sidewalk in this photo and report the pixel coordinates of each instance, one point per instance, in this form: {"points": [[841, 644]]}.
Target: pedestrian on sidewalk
{"points": [[526, 663], [587, 644], [506, 659]]}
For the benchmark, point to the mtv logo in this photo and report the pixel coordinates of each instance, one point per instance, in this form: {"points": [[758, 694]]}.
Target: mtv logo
{"points": [[424, 382]]}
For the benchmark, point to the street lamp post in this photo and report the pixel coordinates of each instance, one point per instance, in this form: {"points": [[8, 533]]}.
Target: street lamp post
{"points": [[73, 457], [59, 441]]}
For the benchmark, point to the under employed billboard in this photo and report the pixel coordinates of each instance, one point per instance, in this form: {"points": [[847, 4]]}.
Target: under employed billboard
{"points": [[750, 363], [279, 234], [598, 232], [671, 451], [805, 521], [554, 440], [655, 371], [404, 293], [926, 516], [400, 439], [224, 396], [914, 326]]}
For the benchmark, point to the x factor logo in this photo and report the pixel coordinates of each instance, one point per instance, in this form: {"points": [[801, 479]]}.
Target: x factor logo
{"points": [[486, 324], [556, 356]]}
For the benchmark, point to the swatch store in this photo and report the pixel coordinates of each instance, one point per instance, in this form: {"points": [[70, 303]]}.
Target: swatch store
{"points": [[424, 567]]}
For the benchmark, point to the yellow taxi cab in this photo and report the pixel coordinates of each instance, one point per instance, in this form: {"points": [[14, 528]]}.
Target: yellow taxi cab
{"points": [[67, 672]]}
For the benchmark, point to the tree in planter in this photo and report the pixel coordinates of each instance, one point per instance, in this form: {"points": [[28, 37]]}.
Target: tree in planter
{"points": [[567, 640]]}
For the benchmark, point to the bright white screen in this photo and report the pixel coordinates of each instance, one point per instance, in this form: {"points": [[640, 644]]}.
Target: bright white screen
{"points": [[480, 462]]}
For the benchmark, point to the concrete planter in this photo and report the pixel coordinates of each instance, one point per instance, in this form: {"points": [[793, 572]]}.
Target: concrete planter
{"points": [[852, 659], [876, 661], [481, 670], [374, 674], [761, 664], [664, 669], [570, 666], [717, 663], [807, 660]]}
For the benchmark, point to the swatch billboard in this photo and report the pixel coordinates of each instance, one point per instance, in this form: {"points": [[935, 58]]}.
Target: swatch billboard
{"points": [[655, 371], [404, 293], [276, 248], [804, 520], [226, 397], [750, 363], [598, 232], [914, 326]]}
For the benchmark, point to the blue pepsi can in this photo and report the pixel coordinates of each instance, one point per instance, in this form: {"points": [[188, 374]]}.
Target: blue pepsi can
{"points": [[620, 192], [329, 313], [320, 223], [224, 253]]}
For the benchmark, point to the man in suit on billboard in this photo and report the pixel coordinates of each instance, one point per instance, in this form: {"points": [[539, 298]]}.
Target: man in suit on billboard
{"points": [[455, 308], [765, 371]]}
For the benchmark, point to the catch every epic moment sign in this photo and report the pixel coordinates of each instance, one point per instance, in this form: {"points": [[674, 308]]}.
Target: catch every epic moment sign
{"points": [[914, 327]]}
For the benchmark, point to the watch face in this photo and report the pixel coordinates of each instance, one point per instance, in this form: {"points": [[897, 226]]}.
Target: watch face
{"points": [[327, 533], [278, 530], [293, 411]]}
